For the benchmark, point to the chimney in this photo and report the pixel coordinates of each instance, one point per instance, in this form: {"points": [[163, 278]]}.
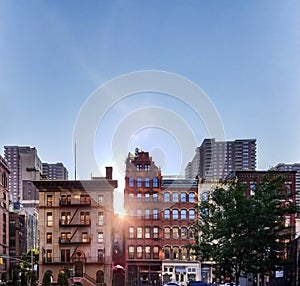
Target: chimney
{"points": [[109, 173]]}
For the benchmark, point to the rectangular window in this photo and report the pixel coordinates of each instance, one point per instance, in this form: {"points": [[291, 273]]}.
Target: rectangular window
{"points": [[139, 252], [139, 167], [147, 214], [49, 219], [84, 237], [49, 237], [49, 200], [147, 252], [131, 232], [155, 232], [101, 255], [147, 232], [100, 218], [139, 214], [155, 252], [100, 199], [139, 232], [65, 255], [49, 255], [155, 214], [100, 237], [131, 252], [147, 167]]}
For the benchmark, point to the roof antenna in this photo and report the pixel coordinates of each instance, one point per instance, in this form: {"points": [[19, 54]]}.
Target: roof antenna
{"points": [[75, 160]]}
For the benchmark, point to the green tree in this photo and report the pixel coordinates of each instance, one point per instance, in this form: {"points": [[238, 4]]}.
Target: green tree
{"points": [[28, 274], [245, 234], [63, 276]]}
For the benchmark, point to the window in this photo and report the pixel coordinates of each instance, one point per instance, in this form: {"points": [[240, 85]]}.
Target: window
{"points": [[100, 199], [183, 214], [65, 217], [183, 233], [139, 232], [100, 237], [147, 183], [175, 214], [49, 200], [65, 255], [191, 197], [155, 214], [49, 255], [100, 218], [167, 233], [175, 252], [147, 167], [166, 214], [175, 232], [147, 197], [155, 232], [167, 252], [147, 252], [166, 197], [147, 214], [183, 197], [139, 214], [84, 217], [139, 167], [175, 197], [155, 197], [252, 188], [155, 252], [49, 219], [131, 182], [84, 237], [131, 232], [139, 182], [184, 253], [139, 252], [139, 197], [147, 232], [84, 199], [191, 214], [204, 197], [155, 183], [65, 236], [49, 237], [101, 255], [131, 252]]}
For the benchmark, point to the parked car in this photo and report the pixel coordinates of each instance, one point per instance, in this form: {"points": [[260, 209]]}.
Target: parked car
{"points": [[171, 284]]}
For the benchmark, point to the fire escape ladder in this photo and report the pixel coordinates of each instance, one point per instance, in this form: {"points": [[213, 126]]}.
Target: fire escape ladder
{"points": [[74, 215], [74, 252], [74, 233]]}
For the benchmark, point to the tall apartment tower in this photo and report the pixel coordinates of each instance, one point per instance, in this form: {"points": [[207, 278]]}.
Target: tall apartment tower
{"points": [[56, 171], [4, 218], [292, 167], [24, 164], [216, 159], [160, 214]]}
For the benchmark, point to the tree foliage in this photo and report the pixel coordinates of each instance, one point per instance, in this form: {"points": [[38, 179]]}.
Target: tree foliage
{"points": [[47, 278], [245, 234]]}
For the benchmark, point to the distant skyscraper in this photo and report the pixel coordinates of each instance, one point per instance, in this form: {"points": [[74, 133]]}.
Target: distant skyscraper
{"points": [[216, 159], [292, 167], [55, 171], [24, 164]]}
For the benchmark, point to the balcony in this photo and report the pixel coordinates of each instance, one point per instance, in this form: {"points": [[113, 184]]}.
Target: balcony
{"points": [[68, 223], [74, 203], [80, 240]]}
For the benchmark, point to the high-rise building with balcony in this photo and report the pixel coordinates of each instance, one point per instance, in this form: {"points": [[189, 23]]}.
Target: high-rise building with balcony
{"points": [[216, 159]]}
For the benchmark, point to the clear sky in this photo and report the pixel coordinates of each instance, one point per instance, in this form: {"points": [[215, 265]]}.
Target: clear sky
{"points": [[245, 55]]}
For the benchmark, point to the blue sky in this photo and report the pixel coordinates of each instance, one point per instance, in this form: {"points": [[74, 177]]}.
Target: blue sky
{"points": [[243, 54]]}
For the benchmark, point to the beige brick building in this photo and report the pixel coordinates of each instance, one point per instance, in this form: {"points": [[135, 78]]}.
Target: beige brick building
{"points": [[76, 229]]}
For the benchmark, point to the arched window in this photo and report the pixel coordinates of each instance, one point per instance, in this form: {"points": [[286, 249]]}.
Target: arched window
{"points": [[167, 233], [131, 182], [131, 252], [166, 197], [175, 233], [175, 197], [191, 197], [139, 182], [184, 253], [155, 182], [175, 214], [166, 214], [204, 197], [167, 252], [139, 252], [183, 214], [155, 214], [147, 183], [191, 214], [175, 252], [183, 197], [183, 233]]}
